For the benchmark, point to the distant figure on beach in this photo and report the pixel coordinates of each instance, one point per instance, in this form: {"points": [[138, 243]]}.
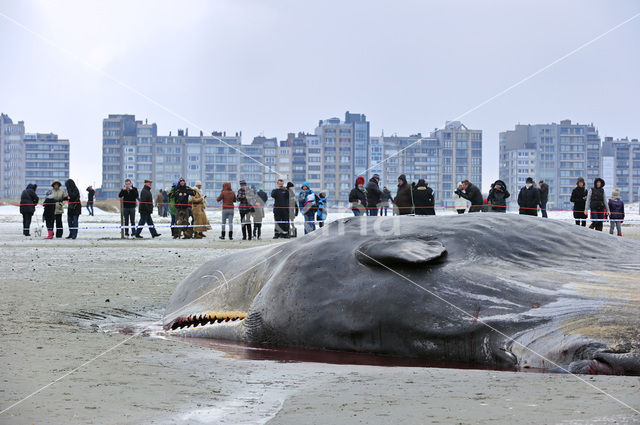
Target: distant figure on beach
{"points": [[228, 198], [74, 208], [579, 199], [597, 204], [129, 196], [616, 212], [91, 193], [529, 198], [28, 202]]}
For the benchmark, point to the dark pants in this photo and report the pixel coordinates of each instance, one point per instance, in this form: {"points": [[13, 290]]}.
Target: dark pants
{"points": [[372, 211], [383, 210], [281, 217], [581, 218], [72, 221], [129, 219], [356, 212], [26, 223], [145, 219], [59, 229], [245, 222], [543, 207], [90, 207], [257, 230], [598, 216], [320, 223]]}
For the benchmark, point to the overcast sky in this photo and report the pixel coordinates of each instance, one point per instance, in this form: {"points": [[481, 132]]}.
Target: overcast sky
{"points": [[273, 67]]}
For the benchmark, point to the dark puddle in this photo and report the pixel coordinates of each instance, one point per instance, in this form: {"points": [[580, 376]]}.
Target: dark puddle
{"points": [[293, 355]]}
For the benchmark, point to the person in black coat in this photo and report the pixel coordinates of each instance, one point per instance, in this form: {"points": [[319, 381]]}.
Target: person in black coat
{"points": [[404, 196], [280, 197], [146, 209], [423, 199], [129, 197], [373, 195], [471, 193], [358, 198], [74, 208], [579, 199], [91, 193], [529, 198], [498, 195], [28, 202], [544, 197]]}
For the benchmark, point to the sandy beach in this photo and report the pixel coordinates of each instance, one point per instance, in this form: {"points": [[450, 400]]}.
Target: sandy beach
{"points": [[79, 322]]}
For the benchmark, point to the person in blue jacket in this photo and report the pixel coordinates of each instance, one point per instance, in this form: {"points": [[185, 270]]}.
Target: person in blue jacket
{"points": [[307, 205], [322, 209]]}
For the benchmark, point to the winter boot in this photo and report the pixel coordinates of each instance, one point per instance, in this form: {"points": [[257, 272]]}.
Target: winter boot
{"points": [[230, 235], [50, 234], [222, 235]]}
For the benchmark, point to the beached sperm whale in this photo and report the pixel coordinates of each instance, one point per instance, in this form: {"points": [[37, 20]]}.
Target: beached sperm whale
{"points": [[497, 290]]}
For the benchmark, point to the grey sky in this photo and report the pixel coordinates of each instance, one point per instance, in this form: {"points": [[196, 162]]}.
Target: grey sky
{"points": [[272, 67]]}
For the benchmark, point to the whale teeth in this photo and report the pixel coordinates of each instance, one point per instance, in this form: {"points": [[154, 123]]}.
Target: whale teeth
{"points": [[210, 317]]}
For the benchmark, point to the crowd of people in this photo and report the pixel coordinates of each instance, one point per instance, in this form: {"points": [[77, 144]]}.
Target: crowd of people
{"points": [[187, 205]]}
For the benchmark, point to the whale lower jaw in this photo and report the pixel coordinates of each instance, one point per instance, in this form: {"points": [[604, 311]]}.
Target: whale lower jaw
{"points": [[216, 325]]}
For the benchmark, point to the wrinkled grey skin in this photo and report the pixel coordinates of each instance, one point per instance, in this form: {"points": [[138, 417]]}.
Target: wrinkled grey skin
{"points": [[497, 290]]}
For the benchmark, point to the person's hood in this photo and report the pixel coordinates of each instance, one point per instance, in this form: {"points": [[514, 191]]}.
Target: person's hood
{"points": [[226, 186], [580, 179], [373, 179], [601, 182], [70, 184], [500, 183], [421, 183], [403, 178], [306, 184], [56, 181], [29, 187]]}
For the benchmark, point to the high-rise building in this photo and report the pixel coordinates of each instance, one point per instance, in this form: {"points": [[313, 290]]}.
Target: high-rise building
{"points": [[132, 149], [30, 158], [360, 143], [11, 158], [337, 144], [555, 153], [46, 160], [621, 167]]}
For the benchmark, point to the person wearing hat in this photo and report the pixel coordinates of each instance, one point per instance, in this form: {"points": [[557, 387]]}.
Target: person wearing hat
{"points": [[280, 197], [57, 195], [579, 199], [128, 196], [183, 209], [423, 199], [307, 205], [245, 209], [358, 198], [597, 203], [146, 209], [616, 212], [374, 194], [529, 198], [91, 193]]}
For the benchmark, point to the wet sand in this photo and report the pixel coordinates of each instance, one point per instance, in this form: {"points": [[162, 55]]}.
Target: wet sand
{"points": [[55, 317]]}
